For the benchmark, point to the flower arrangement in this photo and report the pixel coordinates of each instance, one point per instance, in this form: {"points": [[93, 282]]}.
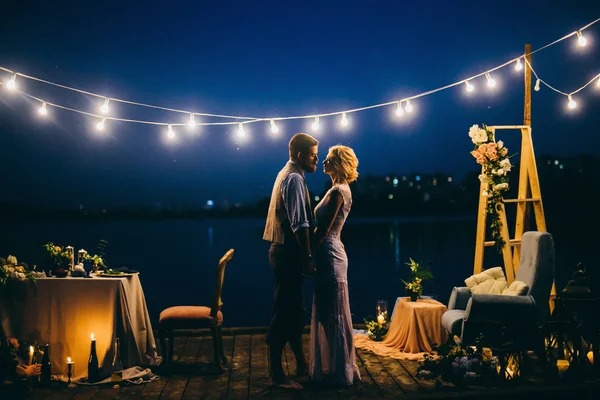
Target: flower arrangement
{"points": [[417, 275], [95, 260], [458, 365], [58, 255], [11, 270], [494, 160], [376, 329]]}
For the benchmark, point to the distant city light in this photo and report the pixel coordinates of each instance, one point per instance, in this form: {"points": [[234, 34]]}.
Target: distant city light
{"points": [[561, 166], [390, 196], [395, 181], [317, 198], [449, 179], [555, 162], [210, 203], [417, 178]]}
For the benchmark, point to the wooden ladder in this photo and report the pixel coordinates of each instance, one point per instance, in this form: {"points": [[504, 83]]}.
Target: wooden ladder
{"points": [[529, 185]]}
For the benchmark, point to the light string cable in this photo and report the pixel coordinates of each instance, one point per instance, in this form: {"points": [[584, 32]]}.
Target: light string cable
{"points": [[259, 119]]}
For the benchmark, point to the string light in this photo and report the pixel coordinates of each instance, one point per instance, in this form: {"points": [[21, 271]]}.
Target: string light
{"points": [[274, 127], [491, 82], [598, 82], [11, 84], [572, 104], [42, 110], [315, 125], [241, 133], [104, 108], [537, 85], [344, 121], [518, 65], [581, 40], [470, 86], [170, 132], [192, 122], [100, 124], [399, 109]]}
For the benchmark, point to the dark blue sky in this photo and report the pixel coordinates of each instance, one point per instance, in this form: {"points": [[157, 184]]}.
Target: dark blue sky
{"points": [[267, 58]]}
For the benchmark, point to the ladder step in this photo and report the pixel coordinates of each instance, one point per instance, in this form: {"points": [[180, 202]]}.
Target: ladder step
{"points": [[512, 242], [521, 200]]}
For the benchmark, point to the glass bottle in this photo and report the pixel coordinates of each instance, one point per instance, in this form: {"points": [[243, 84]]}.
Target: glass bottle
{"points": [[93, 363], [45, 376], [117, 365]]}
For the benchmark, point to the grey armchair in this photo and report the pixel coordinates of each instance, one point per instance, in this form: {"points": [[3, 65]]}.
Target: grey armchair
{"points": [[501, 318]]}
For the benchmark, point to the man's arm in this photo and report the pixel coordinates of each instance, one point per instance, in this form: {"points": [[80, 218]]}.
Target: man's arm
{"points": [[294, 199]]}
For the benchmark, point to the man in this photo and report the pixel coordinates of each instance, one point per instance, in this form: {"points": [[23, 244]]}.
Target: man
{"points": [[289, 228]]}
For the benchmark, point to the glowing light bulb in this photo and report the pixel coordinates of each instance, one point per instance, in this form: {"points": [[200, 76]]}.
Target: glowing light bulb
{"points": [[399, 109], [100, 125], [518, 65], [241, 132], [42, 110], [470, 87], [491, 82], [408, 107], [11, 84], [274, 127], [572, 103], [104, 108], [315, 125], [581, 40], [344, 120], [170, 132], [537, 85], [192, 123]]}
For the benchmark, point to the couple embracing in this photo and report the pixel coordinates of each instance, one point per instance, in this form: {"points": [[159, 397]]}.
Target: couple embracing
{"points": [[306, 243]]}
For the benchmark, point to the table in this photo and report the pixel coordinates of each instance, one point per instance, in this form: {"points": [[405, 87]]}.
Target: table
{"points": [[64, 312], [414, 329]]}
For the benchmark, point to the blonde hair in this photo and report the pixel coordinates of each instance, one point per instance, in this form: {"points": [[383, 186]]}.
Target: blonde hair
{"points": [[345, 162]]}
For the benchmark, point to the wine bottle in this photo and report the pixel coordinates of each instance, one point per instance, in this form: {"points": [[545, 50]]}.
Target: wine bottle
{"points": [[93, 363], [117, 365], [46, 374]]}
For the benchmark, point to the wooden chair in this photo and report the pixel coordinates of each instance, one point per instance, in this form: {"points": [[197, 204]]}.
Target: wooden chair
{"points": [[197, 317]]}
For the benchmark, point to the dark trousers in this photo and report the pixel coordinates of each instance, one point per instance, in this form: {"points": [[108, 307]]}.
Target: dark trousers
{"points": [[287, 321], [288, 308]]}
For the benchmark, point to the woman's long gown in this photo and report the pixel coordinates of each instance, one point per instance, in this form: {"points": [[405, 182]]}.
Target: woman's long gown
{"points": [[332, 355]]}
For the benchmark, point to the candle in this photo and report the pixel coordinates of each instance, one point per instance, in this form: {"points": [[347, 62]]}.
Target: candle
{"points": [[380, 319], [70, 372], [590, 357], [30, 355], [563, 366], [93, 338]]}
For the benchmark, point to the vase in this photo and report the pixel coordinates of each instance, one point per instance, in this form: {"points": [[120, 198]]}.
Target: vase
{"points": [[414, 296]]}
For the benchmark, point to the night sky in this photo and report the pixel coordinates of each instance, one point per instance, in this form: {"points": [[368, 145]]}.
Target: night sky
{"points": [[263, 58]]}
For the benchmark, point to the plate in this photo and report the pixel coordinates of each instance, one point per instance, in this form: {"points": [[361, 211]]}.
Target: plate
{"points": [[121, 275]]}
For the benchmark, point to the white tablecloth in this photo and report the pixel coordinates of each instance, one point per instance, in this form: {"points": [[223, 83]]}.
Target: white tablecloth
{"points": [[64, 312]]}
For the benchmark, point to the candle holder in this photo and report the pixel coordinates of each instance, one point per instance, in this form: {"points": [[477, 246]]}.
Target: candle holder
{"points": [[382, 312], [70, 383]]}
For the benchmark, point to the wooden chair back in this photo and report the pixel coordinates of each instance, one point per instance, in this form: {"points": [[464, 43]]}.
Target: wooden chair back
{"points": [[220, 276]]}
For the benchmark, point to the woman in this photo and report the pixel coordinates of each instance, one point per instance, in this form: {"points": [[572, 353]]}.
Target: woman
{"points": [[331, 335]]}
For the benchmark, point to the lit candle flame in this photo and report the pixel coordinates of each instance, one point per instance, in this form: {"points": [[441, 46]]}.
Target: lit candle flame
{"points": [[92, 336], [69, 360]]}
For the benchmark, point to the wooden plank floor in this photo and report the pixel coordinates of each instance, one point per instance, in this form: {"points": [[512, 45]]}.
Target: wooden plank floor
{"points": [[248, 372]]}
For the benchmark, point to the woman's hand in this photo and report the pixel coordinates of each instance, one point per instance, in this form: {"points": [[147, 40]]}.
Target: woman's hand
{"points": [[29, 370]]}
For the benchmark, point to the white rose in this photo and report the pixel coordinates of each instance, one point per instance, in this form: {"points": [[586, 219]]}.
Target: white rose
{"points": [[499, 144], [473, 131], [11, 260], [484, 193], [501, 186], [483, 178], [505, 164], [500, 172], [481, 136]]}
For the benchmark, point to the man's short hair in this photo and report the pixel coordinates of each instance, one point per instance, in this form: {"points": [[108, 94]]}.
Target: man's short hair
{"points": [[300, 143]]}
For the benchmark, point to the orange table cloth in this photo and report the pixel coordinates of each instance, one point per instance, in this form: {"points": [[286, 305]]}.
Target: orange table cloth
{"points": [[415, 328]]}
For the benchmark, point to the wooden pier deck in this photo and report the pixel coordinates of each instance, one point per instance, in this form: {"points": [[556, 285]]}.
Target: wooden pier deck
{"points": [[248, 371]]}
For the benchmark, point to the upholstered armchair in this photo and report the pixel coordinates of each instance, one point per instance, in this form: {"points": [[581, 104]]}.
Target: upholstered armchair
{"points": [[501, 318]]}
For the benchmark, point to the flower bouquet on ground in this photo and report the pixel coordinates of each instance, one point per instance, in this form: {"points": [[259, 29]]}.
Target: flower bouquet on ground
{"points": [[457, 365], [376, 329], [417, 275]]}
